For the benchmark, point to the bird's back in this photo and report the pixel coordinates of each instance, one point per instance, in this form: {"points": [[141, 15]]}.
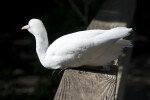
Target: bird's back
{"points": [[75, 37]]}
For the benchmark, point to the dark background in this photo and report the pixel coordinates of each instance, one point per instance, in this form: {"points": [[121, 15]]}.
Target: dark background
{"points": [[21, 74]]}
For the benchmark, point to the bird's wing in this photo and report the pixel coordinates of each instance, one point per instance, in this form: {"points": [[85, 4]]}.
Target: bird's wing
{"points": [[76, 36], [71, 48], [73, 38]]}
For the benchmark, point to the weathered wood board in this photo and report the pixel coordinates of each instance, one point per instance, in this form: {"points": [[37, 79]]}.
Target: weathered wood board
{"points": [[84, 84]]}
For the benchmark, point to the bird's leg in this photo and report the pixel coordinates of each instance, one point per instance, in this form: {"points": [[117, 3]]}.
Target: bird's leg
{"points": [[53, 71], [62, 70]]}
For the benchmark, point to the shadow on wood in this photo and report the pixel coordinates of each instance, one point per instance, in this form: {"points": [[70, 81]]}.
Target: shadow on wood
{"points": [[112, 71]]}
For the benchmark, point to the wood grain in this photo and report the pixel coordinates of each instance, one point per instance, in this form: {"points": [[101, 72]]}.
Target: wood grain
{"points": [[84, 84]]}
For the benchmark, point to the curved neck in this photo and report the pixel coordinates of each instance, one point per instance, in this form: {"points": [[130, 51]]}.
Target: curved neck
{"points": [[41, 46]]}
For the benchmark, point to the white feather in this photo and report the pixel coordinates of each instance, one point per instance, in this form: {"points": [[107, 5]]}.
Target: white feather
{"points": [[90, 47]]}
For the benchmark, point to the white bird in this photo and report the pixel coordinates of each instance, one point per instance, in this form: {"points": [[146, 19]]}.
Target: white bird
{"points": [[90, 47]]}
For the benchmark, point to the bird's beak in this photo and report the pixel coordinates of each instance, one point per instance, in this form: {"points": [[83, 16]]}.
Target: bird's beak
{"points": [[25, 27]]}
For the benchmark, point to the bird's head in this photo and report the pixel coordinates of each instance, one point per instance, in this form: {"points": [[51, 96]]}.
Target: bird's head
{"points": [[35, 27]]}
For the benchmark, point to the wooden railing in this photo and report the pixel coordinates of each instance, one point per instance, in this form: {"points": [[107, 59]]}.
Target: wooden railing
{"points": [[84, 84]]}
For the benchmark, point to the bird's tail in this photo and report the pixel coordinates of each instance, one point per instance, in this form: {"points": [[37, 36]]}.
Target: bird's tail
{"points": [[112, 35], [119, 32]]}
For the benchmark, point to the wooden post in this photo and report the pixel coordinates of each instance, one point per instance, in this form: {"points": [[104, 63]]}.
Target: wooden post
{"points": [[97, 85]]}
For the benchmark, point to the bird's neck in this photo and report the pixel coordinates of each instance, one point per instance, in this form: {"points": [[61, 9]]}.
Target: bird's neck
{"points": [[41, 46]]}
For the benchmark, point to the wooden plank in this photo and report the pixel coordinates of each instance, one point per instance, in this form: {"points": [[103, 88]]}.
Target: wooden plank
{"points": [[84, 84]]}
